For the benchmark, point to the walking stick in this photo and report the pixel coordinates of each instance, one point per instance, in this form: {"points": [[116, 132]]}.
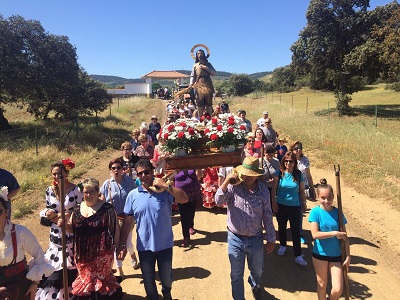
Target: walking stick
{"points": [[341, 228], [63, 238]]}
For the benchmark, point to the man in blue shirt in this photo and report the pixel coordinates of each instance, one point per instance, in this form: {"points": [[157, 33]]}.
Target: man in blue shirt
{"points": [[152, 212], [249, 212]]}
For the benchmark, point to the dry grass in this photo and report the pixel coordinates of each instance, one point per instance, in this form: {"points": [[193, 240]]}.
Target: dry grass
{"points": [[369, 156]]}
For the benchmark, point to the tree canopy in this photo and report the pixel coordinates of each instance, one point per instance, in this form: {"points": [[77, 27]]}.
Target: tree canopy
{"points": [[40, 71]]}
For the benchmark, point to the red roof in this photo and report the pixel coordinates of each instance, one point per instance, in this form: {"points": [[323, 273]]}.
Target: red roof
{"points": [[165, 74]]}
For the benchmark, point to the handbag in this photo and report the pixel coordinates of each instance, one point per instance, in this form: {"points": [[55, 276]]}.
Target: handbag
{"points": [[11, 291]]}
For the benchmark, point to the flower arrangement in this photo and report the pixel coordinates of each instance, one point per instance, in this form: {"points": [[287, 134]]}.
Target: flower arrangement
{"points": [[182, 134], [68, 164], [225, 130]]}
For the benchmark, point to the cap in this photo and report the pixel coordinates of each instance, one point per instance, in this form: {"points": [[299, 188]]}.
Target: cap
{"points": [[154, 117], [265, 113]]}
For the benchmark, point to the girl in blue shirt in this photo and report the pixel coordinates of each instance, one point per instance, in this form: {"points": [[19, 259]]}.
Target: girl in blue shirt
{"points": [[327, 254]]}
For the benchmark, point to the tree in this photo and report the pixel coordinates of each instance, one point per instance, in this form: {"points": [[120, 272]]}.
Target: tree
{"points": [[334, 28], [40, 71], [240, 84], [283, 79]]}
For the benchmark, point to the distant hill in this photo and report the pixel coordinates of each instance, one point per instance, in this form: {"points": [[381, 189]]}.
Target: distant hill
{"points": [[113, 81]]}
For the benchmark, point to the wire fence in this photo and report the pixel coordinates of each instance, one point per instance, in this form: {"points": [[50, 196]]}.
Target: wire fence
{"points": [[70, 132]]}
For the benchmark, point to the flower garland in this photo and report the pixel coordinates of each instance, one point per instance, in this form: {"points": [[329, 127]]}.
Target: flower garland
{"points": [[225, 130]]}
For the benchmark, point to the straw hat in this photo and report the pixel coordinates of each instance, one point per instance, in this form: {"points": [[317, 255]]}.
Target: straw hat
{"points": [[281, 139], [250, 167]]}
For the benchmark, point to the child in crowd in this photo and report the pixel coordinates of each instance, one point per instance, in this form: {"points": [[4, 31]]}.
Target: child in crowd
{"points": [[210, 186], [327, 252], [281, 149]]}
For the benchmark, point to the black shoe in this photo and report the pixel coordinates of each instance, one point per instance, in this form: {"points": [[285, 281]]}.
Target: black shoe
{"points": [[257, 293], [167, 296]]}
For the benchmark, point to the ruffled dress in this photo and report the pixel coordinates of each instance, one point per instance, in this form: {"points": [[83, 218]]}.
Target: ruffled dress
{"points": [[210, 186], [26, 243], [52, 287], [94, 255]]}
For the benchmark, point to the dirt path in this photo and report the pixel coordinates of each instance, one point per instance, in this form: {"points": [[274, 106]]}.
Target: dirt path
{"points": [[202, 271]]}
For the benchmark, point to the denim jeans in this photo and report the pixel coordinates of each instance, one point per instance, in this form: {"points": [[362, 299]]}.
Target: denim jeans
{"points": [[238, 249], [148, 264]]}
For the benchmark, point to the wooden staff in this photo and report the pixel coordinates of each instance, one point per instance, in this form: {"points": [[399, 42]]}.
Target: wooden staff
{"points": [[61, 196], [341, 228]]}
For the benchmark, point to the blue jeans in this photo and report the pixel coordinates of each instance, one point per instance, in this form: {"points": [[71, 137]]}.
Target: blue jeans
{"points": [[238, 249], [148, 264]]}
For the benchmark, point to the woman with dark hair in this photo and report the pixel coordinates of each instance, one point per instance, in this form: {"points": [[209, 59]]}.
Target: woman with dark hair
{"points": [[15, 242], [259, 139], [52, 286], [271, 165], [96, 232], [114, 191], [187, 181], [288, 200]]}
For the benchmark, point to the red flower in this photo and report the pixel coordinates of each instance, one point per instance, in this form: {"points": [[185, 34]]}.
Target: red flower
{"points": [[207, 130], [219, 127], [214, 120], [171, 127], [242, 127], [230, 129], [213, 137], [166, 136], [191, 131], [68, 164], [181, 135], [183, 124], [231, 121]]}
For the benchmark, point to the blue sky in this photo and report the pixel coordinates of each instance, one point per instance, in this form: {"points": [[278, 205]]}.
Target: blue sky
{"points": [[130, 38]]}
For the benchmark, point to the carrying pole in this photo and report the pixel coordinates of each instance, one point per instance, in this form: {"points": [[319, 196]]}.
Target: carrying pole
{"points": [[341, 228], [63, 234]]}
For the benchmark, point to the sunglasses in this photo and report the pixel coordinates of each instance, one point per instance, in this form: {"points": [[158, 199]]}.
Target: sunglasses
{"points": [[297, 148], [127, 149], [288, 161], [116, 168], [145, 172], [2, 210]]}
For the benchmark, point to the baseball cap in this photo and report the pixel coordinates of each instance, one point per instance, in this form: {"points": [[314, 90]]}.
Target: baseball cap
{"points": [[154, 117], [265, 113]]}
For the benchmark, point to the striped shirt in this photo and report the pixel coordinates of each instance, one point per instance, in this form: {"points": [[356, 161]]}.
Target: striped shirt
{"points": [[249, 212]]}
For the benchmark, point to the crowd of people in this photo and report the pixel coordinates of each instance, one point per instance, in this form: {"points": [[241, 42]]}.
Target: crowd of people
{"points": [[273, 180]]}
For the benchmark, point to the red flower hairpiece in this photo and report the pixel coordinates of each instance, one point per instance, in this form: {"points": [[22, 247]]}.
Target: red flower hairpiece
{"points": [[68, 164]]}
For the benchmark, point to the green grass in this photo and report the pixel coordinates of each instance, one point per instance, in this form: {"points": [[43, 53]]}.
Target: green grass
{"points": [[368, 155]]}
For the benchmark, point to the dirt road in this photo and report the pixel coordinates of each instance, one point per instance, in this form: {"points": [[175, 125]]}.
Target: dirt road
{"points": [[202, 271]]}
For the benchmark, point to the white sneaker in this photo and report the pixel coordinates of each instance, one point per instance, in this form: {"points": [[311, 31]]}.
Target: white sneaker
{"points": [[300, 261], [134, 263], [281, 250]]}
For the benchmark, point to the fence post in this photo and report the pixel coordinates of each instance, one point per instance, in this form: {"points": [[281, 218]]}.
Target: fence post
{"points": [[110, 109], [329, 112], [77, 126], [36, 142], [280, 99], [376, 115], [97, 121], [307, 106], [118, 102]]}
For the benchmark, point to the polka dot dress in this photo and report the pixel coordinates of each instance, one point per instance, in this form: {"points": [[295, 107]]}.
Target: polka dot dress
{"points": [[53, 255]]}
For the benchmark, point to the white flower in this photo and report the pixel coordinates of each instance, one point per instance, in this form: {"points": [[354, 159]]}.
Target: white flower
{"points": [[4, 193]]}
